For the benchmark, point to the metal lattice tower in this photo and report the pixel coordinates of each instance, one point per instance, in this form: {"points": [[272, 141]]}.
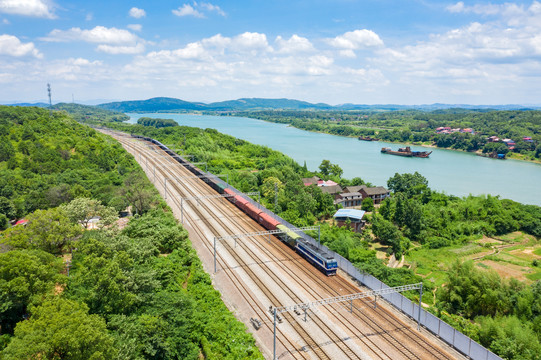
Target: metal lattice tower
{"points": [[50, 101]]}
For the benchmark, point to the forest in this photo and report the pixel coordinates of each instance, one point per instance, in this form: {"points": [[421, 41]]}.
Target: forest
{"points": [[502, 315], [419, 127], [118, 290], [156, 122], [84, 113]]}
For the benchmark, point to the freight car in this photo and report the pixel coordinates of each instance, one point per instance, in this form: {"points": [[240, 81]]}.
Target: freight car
{"points": [[317, 257]]}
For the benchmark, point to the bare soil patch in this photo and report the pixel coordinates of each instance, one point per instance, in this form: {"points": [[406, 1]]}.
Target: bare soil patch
{"points": [[526, 254], [508, 271], [488, 240]]}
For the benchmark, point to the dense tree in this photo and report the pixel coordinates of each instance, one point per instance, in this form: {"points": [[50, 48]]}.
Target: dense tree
{"points": [[56, 160], [49, 230], [60, 329], [156, 122], [409, 184], [25, 277], [325, 167], [82, 210], [387, 233], [367, 204], [7, 208], [137, 194]]}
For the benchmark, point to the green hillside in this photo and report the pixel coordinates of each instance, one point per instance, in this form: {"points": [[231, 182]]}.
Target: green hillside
{"points": [[119, 291], [85, 113], [152, 105]]}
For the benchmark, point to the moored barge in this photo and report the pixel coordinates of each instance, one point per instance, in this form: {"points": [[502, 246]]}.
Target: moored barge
{"points": [[406, 152], [367, 138]]}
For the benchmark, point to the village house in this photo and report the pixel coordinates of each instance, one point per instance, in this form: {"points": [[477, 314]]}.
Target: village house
{"points": [[333, 190], [377, 194], [350, 196], [350, 217], [348, 200]]}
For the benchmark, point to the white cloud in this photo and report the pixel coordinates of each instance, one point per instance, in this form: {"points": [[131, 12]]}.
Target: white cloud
{"points": [[110, 49], [198, 10], [187, 10], [74, 69], [137, 13], [294, 44], [33, 8], [251, 41], [12, 46], [89, 17], [135, 27], [456, 8], [347, 53], [99, 34], [211, 7], [192, 51], [357, 39], [217, 41], [5, 21], [488, 9]]}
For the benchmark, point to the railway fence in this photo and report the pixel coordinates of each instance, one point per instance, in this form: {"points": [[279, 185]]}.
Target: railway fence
{"points": [[438, 327]]}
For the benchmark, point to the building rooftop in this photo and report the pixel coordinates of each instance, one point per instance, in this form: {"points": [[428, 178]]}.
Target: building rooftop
{"points": [[336, 189], [356, 188], [349, 213], [310, 181], [378, 190]]}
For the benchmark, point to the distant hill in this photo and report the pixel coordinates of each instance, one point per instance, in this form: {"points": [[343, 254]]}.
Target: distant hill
{"points": [[161, 104], [259, 103], [84, 113], [152, 105], [39, 104]]}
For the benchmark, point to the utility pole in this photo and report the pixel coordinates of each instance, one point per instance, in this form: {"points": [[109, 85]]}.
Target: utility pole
{"points": [[275, 196]]}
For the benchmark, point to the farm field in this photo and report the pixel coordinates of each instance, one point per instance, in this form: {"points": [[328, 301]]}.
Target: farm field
{"points": [[514, 255]]}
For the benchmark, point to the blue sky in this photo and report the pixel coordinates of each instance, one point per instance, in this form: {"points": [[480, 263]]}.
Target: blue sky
{"points": [[333, 51]]}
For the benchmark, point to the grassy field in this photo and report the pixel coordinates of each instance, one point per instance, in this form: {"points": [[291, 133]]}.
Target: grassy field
{"points": [[511, 255]]}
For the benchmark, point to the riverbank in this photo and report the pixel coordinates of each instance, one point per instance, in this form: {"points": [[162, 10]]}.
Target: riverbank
{"points": [[510, 155], [457, 173]]}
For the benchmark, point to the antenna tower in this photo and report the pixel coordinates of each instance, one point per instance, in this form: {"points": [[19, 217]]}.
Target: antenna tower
{"points": [[50, 102]]}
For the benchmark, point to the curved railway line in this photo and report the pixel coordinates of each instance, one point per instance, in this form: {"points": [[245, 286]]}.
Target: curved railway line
{"points": [[349, 353], [258, 267]]}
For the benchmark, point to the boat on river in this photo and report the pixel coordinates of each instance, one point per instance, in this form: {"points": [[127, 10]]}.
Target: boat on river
{"points": [[367, 138], [406, 151]]}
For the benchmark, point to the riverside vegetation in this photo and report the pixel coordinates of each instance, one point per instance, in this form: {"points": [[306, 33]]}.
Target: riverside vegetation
{"points": [[138, 292], [504, 315], [419, 127]]}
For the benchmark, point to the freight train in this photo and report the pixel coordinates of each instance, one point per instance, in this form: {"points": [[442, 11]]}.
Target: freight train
{"points": [[317, 257]]}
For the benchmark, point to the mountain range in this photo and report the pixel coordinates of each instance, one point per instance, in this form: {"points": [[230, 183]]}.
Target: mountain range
{"points": [[161, 104], [165, 104]]}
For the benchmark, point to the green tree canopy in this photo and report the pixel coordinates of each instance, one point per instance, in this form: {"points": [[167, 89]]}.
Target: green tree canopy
{"points": [[25, 277], [409, 184], [61, 329], [82, 210], [49, 230]]}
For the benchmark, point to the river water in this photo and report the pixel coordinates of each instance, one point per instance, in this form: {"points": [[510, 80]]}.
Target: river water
{"points": [[456, 173]]}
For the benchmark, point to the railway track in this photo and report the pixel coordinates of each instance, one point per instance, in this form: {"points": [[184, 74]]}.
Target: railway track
{"points": [[255, 304], [395, 337]]}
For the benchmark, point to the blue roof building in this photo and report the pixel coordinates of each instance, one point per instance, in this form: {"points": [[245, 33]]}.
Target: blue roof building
{"points": [[355, 217]]}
